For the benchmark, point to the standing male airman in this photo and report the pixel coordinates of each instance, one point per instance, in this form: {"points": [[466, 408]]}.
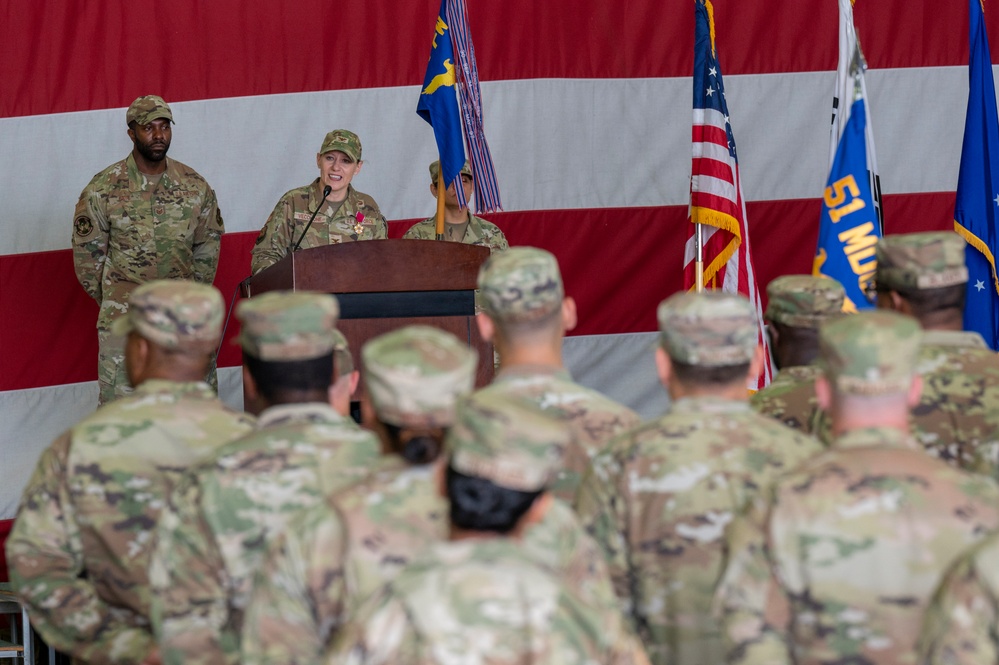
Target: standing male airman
{"points": [[837, 561], [796, 306], [79, 550], [659, 496], [143, 218], [215, 530]]}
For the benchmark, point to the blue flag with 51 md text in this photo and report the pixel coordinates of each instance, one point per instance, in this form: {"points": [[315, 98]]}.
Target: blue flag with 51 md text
{"points": [[848, 228], [978, 187]]}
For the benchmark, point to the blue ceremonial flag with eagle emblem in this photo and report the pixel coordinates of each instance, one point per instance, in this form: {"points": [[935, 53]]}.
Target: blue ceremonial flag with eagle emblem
{"points": [[438, 104], [978, 186]]}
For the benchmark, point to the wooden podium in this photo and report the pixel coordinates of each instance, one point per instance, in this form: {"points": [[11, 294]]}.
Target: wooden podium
{"points": [[386, 284]]}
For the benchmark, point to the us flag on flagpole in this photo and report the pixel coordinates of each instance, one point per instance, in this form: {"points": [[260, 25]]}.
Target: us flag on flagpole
{"points": [[716, 201]]}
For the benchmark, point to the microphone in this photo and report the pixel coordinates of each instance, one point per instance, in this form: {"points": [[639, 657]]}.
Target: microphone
{"points": [[326, 192]]}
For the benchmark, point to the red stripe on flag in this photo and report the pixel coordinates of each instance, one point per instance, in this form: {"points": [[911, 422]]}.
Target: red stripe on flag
{"points": [[50, 62], [618, 264], [710, 134], [713, 168]]}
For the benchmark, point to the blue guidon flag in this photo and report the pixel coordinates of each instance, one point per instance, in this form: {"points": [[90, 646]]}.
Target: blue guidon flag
{"points": [[978, 187], [438, 105], [849, 228]]}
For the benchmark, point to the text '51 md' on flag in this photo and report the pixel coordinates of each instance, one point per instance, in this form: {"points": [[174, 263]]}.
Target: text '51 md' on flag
{"points": [[848, 227]]}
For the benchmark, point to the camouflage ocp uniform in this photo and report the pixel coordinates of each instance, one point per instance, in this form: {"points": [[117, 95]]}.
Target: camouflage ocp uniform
{"points": [[525, 285], [660, 496], [342, 551], [81, 544], [490, 599], [798, 301], [838, 560], [474, 231], [214, 532], [960, 625], [130, 228], [956, 418], [355, 218]]}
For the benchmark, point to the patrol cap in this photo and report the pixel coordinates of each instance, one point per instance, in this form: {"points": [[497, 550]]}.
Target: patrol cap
{"points": [[288, 325], [341, 354], [803, 301], [343, 140], [146, 109], [174, 313], [507, 441], [872, 352], [435, 169], [521, 284], [709, 329], [415, 374], [918, 261]]}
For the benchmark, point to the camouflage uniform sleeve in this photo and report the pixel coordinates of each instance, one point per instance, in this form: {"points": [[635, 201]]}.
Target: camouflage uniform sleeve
{"points": [[45, 559], [752, 605], [418, 231], [382, 633], [297, 598], [190, 608], [275, 239], [90, 240], [208, 239], [497, 241], [602, 511], [959, 627]]}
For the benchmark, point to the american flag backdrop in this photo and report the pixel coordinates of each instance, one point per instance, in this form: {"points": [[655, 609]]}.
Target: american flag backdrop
{"points": [[716, 201], [587, 107]]}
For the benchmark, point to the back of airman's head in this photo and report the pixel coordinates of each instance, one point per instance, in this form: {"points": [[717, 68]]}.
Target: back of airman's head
{"points": [[286, 326], [521, 285], [803, 301], [174, 314], [912, 262], [506, 441], [709, 329], [870, 353], [414, 375]]}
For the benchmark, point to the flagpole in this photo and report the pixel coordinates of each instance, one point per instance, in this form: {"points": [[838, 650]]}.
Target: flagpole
{"points": [[699, 259], [441, 193]]}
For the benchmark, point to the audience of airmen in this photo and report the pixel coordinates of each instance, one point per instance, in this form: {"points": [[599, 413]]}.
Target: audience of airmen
{"points": [[853, 516]]}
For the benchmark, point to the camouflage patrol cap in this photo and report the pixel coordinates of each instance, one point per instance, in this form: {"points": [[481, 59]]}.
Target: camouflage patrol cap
{"points": [[435, 169], [414, 375], [870, 353], [507, 441], [146, 109], [288, 325], [917, 261], [521, 284], [803, 301], [343, 140], [174, 313], [341, 354], [709, 329]]}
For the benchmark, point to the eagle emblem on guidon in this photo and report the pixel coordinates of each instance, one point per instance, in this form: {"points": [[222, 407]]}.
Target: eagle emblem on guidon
{"points": [[445, 79]]}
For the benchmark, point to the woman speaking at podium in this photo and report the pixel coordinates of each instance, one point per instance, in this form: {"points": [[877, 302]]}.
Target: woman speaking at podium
{"points": [[328, 211]]}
